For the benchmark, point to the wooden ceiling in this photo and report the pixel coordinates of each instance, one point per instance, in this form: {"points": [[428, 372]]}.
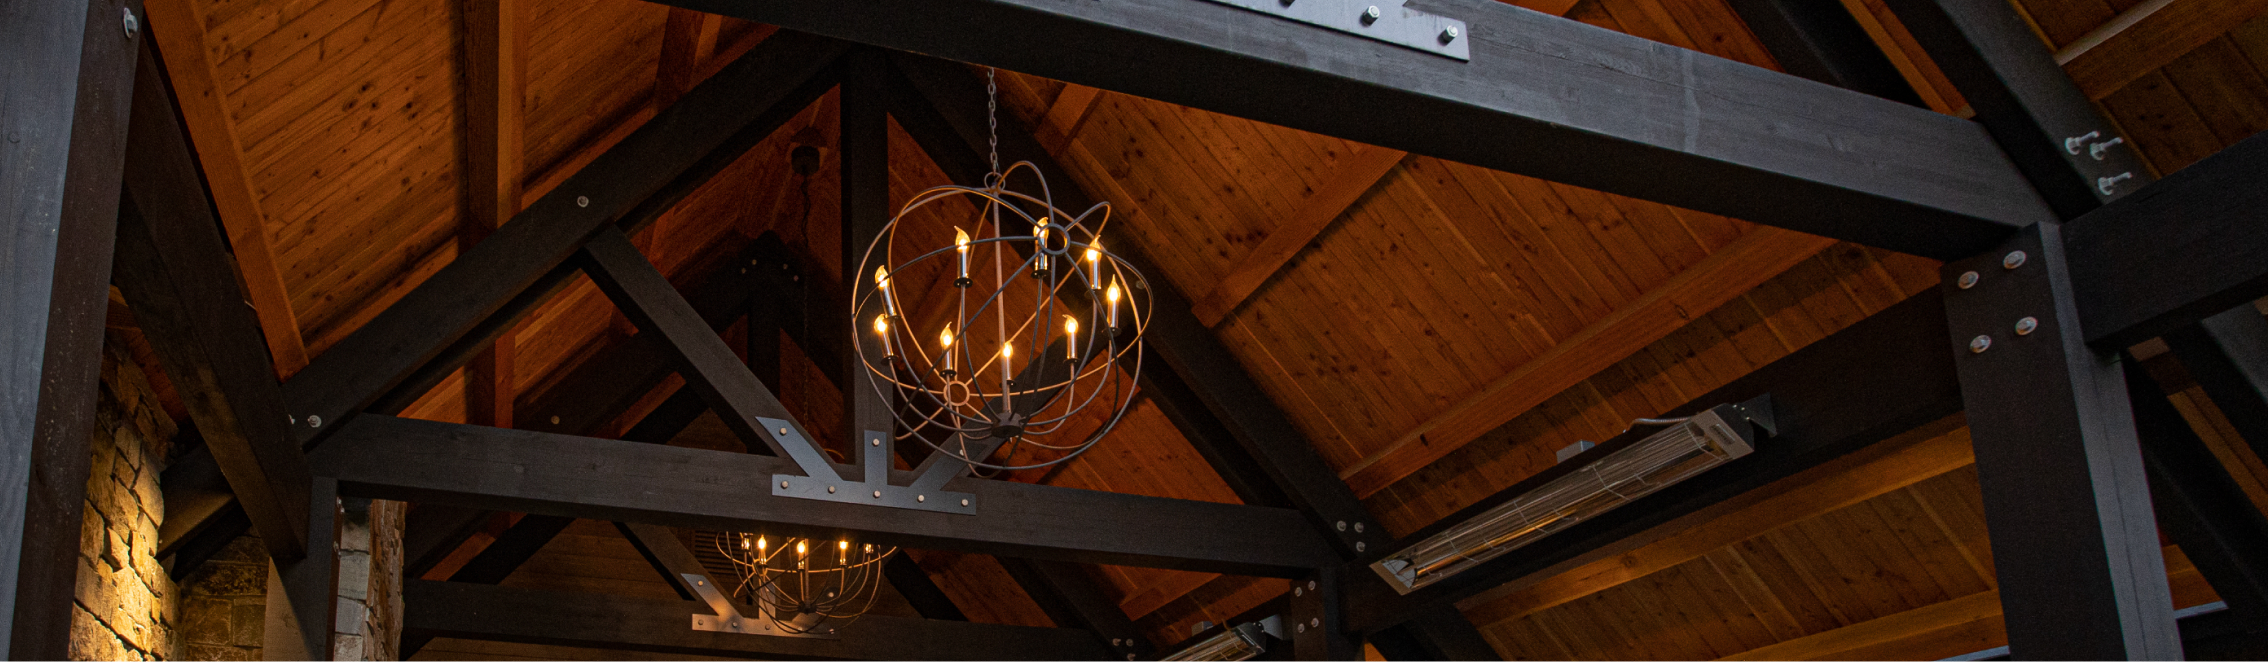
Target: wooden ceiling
{"points": [[1436, 330]]}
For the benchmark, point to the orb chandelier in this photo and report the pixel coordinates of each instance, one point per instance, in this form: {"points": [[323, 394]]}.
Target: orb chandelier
{"points": [[801, 585], [1040, 340]]}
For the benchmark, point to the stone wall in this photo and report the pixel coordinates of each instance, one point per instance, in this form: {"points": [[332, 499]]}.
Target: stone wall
{"points": [[126, 606]]}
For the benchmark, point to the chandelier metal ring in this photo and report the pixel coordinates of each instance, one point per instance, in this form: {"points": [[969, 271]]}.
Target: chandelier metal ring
{"points": [[992, 381]]}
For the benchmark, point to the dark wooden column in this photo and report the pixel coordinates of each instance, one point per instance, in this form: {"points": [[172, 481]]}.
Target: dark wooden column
{"points": [[2201, 507], [866, 209], [2074, 541], [2228, 355], [67, 71], [309, 601]]}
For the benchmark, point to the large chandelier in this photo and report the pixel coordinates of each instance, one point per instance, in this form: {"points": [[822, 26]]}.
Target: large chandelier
{"points": [[802, 585], [1023, 327], [1011, 343]]}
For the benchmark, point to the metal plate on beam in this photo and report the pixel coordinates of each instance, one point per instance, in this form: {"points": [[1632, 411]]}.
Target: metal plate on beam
{"points": [[1382, 20], [825, 485]]}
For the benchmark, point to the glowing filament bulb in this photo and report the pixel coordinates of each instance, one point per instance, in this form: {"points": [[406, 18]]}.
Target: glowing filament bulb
{"points": [[882, 282], [882, 330], [842, 552], [1007, 351], [761, 556], [1111, 295], [1070, 337], [744, 542], [1094, 264], [799, 549], [1040, 257], [961, 247], [945, 341]]}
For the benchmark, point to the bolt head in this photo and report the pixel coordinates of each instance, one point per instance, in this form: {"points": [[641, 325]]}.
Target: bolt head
{"points": [[1358, 527], [830, 489], [1967, 280], [878, 494], [2026, 326], [1342, 525], [314, 421], [1302, 629], [921, 498], [1297, 591], [964, 503], [1314, 622], [877, 441], [1370, 14], [1979, 344], [783, 484], [582, 201], [1448, 34], [2013, 259], [1358, 546], [783, 431]]}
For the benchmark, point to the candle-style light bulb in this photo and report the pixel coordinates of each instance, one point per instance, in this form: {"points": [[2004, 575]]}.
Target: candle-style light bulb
{"points": [[961, 248], [744, 541], [1070, 337], [1094, 264], [761, 556], [799, 549], [882, 330], [1111, 295], [1040, 258], [882, 282], [842, 552], [945, 345], [1007, 382]]}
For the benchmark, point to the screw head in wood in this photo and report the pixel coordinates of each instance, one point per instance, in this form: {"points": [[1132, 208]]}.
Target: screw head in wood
{"points": [[1967, 280], [582, 201], [1979, 344], [2024, 327], [2013, 259]]}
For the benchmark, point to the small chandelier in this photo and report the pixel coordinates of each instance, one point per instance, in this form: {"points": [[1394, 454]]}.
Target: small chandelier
{"points": [[804, 586], [1041, 329]]}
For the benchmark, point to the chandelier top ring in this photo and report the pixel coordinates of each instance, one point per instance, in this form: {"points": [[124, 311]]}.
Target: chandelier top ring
{"points": [[1014, 333]]}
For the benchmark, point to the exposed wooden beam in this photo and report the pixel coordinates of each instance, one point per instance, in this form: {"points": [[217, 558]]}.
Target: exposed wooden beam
{"points": [[1761, 255], [2200, 506], [2147, 37], [2023, 99], [688, 37], [1880, 378], [492, 613], [739, 106], [1880, 469], [2183, 249], [69, 76], [495, 89], [1824, 42], [174, 269], [1065, 116], [919, 590], [1662, 124], [864, 138], [384, 457], [179, 30], [1071, 599], [2228, 356], [1290, 235]]}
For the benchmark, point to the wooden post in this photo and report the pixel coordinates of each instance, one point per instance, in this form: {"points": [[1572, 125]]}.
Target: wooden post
{"points": [[2074, 539], [67, 69], [866, 209]]}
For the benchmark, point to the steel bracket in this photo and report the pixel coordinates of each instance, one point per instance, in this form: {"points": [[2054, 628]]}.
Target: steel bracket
{"points": [[824, 484], [1381, 20], [728, 619]]}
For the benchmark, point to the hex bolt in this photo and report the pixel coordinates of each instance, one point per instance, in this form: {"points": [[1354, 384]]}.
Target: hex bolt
{"points": [[1967, 280], [2024, 327], [1342, 525], [1358, 546], [582, 201], [1370, 15], [1448, 34], [2013, 259], [133, 25], [2107, 185], [1358, 527], [1979, 344]]}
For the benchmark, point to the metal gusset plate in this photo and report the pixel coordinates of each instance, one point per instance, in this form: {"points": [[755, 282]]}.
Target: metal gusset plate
{"points": [[926, 492], [1383, 20]]}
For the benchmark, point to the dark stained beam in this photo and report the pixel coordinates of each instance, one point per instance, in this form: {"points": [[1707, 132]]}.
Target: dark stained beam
{"points": [[495, 90], [1541, 96], [490, 613], [2228, 355], [309, 599], [1823, 42], [1072, 599], [1442, 633], [174, 269], [1884, 376], [2183, 249], [2066, 496], [755, 94], [2025, 100], [68, 71], [2200, 506], [919, 590], [542, 473], [866, 209]]}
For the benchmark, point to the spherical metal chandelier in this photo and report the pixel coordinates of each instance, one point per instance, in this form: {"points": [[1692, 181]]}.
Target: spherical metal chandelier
{"points": [[804, 586], [1042, 324]]}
